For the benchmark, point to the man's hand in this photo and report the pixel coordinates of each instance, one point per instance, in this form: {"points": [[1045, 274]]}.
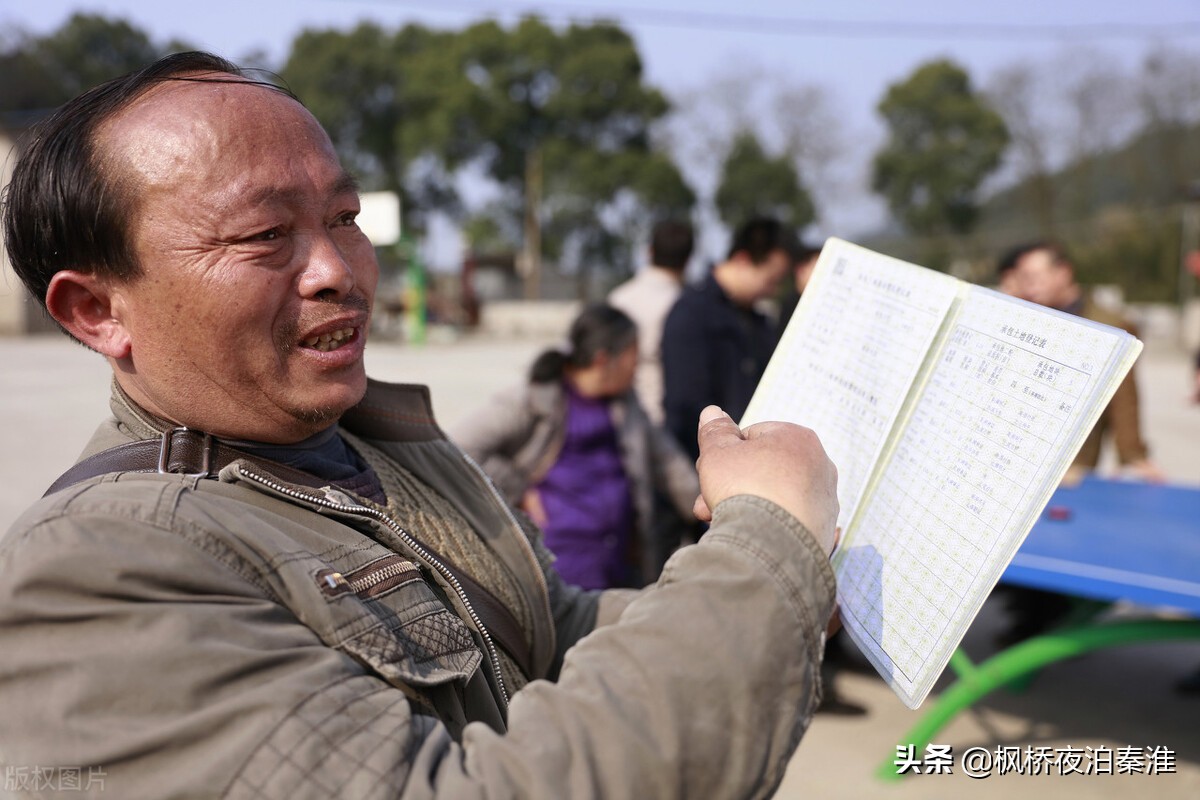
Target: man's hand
{"points": [[778, 461], [1145, 470]]}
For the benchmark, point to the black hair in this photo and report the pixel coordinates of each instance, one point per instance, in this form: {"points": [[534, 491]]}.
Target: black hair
{"points": [[65, 208], [758, 237], [1013, 255], [804, 252], [598, 328], [671, 244]]}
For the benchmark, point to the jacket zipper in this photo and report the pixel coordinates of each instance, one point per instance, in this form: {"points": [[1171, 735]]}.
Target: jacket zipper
{"points": [[368, 581], [417, 547]]}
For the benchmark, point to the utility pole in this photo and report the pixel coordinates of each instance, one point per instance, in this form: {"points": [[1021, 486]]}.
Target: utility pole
{"points": [[529, 263]]}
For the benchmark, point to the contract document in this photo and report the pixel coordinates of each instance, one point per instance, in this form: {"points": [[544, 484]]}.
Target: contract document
{"points": [[951, 412]]}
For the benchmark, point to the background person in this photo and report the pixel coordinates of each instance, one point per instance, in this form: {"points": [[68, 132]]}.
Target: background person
{"points": [[716, 344], [647, 298], [573, 448], [1041, 272]]}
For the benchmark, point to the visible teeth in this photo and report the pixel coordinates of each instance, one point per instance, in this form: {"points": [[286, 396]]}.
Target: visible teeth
{"points": [[330, 341]]}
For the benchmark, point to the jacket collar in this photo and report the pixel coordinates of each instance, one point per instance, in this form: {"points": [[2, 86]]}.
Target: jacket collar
{"points": [[394, 412]]}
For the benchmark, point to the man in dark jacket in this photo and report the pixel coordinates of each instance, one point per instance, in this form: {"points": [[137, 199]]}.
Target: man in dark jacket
{"points": [[716, 343]]}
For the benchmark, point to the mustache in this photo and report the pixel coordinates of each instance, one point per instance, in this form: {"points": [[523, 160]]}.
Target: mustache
{"points": [[288, 334], [355, 301]]}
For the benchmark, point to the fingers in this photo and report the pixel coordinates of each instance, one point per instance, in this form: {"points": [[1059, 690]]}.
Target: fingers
{"points": [[716, 428]]}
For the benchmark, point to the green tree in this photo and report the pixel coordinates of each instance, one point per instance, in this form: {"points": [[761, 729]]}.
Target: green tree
{"points": [[562, 122], [756, 184], [44, 72], [943, 140], [388, 101]]}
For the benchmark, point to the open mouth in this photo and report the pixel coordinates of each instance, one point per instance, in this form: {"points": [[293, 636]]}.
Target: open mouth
{"points": [[332, 340]]}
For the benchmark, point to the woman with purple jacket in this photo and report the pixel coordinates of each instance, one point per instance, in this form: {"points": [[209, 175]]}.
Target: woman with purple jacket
{"points": [[573, 448]]}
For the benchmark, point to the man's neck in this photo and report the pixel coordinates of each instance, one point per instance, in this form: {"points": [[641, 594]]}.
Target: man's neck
{"points": [[674, 275], [1072, 299]]}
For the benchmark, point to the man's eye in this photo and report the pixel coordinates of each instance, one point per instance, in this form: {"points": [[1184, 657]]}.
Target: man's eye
{"points": [[268, 235], [348, 218]]}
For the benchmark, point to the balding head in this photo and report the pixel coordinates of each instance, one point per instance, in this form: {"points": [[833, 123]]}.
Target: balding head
{"points": [[236, 293], [67, 207]]}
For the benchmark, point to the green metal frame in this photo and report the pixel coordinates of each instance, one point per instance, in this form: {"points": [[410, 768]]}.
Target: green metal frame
{"points": [[1021, 660]]}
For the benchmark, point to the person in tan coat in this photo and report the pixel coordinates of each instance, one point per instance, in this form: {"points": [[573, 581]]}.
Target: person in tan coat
{"points": [[1041, 272]]}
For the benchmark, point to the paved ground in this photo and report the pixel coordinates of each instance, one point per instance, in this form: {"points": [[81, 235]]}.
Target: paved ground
{"points": [[55, 392]]}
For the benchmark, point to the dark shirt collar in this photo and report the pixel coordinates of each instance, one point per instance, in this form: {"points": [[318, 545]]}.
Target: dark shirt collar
{"points": [[328, 456]]}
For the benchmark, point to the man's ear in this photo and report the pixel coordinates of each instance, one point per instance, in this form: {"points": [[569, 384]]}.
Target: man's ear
{"points": [[88, 309]]}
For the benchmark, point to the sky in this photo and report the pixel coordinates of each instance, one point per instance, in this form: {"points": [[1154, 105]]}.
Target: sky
{"points": [[851, 50]]}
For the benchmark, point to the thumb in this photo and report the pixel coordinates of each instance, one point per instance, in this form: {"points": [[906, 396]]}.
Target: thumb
{"points": [[716, 427]]}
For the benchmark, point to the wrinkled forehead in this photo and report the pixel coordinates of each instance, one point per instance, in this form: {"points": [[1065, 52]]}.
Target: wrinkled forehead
{"points": [[193, 126]]}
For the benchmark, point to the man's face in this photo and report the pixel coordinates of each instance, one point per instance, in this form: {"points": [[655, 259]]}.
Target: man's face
{"points": [[770, 272], [803, 271], [251, 313], [1041, 278]]}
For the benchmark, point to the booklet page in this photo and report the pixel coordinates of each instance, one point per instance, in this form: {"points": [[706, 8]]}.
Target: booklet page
{"points": [[850, 355], [1014, 391]]}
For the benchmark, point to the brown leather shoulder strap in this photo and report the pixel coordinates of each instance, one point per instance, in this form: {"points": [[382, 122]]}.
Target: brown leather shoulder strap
{"points": [[179, 451]]}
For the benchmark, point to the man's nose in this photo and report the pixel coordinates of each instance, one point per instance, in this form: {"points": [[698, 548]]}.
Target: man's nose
{"points": [[327, 273]]}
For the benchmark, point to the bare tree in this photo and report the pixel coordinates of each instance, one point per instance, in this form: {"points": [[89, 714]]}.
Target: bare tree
{"points": [[1094, 93], [1098, 115], [1020, 95], [811, 132], [1168, 96], [794, 120]]}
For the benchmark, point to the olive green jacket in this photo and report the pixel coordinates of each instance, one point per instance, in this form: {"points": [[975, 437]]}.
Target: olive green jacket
{"points": [[175, 636]]}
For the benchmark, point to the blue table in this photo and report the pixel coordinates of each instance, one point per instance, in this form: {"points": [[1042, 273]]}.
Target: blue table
{"points": [[1103, 541], [1115, 540]]}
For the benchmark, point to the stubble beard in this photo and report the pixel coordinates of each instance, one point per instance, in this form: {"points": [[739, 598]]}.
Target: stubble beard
{"points": [[287, 340]]}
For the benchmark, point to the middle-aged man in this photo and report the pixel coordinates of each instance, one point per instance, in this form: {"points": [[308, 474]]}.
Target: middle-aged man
{"points": [[284, 582], [716, 343], [1042, 273]]}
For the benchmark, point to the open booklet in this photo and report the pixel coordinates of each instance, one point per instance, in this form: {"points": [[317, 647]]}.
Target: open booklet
{"points": [[951, 412]]}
